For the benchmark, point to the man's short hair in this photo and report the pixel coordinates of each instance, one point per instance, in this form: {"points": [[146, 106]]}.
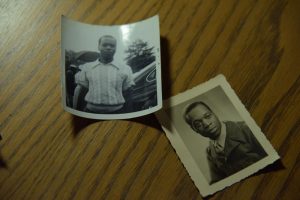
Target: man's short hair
{"points": [[105, 36], [191, 107]]}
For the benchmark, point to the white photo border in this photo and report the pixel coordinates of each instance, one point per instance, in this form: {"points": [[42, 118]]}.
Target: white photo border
{"points": [[153, 23], [186, 158]]}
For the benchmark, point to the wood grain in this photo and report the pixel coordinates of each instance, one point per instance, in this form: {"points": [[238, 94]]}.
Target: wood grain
{"points": [[46, 153]]}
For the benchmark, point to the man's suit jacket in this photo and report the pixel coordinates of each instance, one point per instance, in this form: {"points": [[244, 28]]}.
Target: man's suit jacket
{"points": [[241, 150]]}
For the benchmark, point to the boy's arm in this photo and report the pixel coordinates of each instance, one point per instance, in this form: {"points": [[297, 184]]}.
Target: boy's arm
{"points": [[78, 99]]}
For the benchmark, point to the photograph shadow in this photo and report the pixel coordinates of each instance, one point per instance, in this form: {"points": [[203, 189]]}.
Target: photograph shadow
{"points": [[3, 163], [80, 123], [165, 68], [276, 166], [147, 120]]}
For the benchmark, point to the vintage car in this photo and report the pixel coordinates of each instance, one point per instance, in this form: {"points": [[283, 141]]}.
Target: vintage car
{"points": [[143, 94]]}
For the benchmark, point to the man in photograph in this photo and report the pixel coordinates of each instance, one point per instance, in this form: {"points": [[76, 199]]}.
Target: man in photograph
{"points": [[101, 84], [232, 145]]}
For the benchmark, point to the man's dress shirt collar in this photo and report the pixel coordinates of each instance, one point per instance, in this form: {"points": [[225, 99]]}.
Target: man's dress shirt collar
{"points": [[222, 137]]}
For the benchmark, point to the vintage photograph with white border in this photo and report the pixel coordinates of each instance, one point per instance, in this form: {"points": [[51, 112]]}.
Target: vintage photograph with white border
{"points": [[214, 135], [111, 72]]}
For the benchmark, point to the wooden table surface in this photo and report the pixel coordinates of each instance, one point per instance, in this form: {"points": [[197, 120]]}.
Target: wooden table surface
{"points": [[46, 153]]}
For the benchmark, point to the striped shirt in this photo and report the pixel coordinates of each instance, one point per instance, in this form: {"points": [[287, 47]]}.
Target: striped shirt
{"points": [[105, 82]]}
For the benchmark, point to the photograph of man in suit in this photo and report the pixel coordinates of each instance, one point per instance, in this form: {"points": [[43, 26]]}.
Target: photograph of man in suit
{"points": [[232, 145], [101, 84]]}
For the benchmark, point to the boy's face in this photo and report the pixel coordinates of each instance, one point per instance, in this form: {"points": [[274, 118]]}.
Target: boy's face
{"points": [[107, 47]]}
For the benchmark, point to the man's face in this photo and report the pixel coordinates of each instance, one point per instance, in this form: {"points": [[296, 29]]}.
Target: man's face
{"points": [[205, 122], [107, 47]]}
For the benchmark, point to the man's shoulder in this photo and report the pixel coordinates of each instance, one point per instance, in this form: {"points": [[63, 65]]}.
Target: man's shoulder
{"points": [[121, 65], [89, 66], [236, 124], [237, 130], [124, 68], [127, 68]]}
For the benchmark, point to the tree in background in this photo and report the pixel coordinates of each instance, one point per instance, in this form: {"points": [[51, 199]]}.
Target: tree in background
{"points": [[139, 55]]}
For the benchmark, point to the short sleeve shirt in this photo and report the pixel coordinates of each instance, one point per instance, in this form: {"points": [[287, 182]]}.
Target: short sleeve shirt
{"points": [[105, 82]]}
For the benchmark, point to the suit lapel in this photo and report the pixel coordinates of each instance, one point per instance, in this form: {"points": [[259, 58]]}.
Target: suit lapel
{"points": [[232, 140]]}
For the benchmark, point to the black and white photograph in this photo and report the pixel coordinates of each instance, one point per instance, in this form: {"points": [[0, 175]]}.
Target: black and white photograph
{"points": [[111, 72], [214, 135]]}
